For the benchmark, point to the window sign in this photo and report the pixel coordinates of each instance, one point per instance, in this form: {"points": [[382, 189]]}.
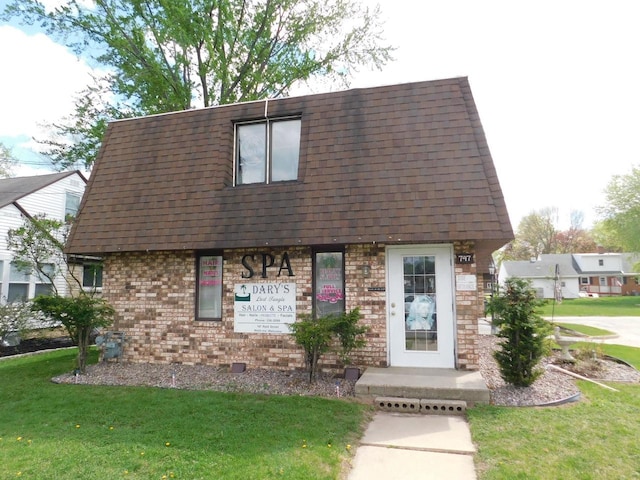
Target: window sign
{"points": [[329, 283], [210, 287], [264, 307]]}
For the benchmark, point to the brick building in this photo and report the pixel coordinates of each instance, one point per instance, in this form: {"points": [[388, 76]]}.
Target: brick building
{"points": [[219, 226]]}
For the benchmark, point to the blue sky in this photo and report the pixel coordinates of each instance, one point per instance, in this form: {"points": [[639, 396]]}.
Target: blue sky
{"points": [[555, 82]]}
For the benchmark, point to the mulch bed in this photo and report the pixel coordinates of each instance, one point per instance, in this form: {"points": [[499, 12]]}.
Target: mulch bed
{"points": [[36, 344]]}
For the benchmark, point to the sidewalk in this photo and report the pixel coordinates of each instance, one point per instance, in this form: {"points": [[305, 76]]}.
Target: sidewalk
{"points": [[415, 446]]}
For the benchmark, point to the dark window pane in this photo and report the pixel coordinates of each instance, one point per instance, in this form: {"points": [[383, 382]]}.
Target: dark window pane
{"points": [[252, 153], [92, 276], [18, 292], [43, 289], [285, 150]]}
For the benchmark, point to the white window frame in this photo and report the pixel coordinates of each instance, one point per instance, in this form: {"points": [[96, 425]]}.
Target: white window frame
{"points": [[268, 123], [93, 287]]}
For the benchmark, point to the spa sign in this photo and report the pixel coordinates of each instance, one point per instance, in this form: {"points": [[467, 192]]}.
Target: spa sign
{"points": [[264, 307]]}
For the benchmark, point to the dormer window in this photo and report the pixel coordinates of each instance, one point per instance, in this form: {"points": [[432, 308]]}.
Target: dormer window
{"points": [[267, 151], [601, 262]]}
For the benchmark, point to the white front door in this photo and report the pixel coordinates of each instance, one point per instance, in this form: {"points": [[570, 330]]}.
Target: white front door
{"points": [[420, 306]]}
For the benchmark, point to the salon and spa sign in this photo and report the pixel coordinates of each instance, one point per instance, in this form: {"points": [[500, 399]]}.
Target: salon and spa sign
{"points": [[264, 307]]}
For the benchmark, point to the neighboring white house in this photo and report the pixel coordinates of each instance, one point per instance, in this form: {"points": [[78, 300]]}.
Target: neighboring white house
{"points": [[577, 274], [55, 195]]}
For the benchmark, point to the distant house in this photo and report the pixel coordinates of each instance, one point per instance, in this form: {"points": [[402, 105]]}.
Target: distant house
{"points": [[578, 274], [55, 195], [221, 226]]}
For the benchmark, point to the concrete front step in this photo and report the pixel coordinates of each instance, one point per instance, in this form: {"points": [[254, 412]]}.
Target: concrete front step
{"points": [[423, 383], [424, 406]]}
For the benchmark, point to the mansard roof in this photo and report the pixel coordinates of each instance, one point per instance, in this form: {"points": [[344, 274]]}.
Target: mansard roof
{"points": [[404, 163]]}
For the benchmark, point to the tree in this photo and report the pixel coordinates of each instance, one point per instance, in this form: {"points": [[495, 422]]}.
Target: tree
{"points": [[79, 315], [576, 239], [536, 235], [38, 247], [7, 161], [523, 331], [168, 55], [605, 237], [621, 212]]}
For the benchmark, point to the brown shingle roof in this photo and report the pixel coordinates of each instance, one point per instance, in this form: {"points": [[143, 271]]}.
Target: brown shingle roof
{"points": [[403, 163], [15, 188]]}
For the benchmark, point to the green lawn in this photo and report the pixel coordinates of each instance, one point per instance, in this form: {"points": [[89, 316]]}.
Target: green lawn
{"points": [[594, 307], [50, 431], [584, 329], [596, 438], [593, 439]]}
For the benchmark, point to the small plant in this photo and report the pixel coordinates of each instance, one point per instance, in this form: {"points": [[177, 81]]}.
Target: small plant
{"points": [[350, 334], [589, 360], [523, 330], [316, 335], [79, 315], [589, 351], [14, 318]]}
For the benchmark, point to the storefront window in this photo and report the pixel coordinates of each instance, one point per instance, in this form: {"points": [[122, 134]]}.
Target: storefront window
{"points": [[328, 296], [209, 287]]}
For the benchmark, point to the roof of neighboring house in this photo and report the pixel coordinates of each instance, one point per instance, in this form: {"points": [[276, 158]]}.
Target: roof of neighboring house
{"points": [[544, 267], [13, 189], [402, 163]]}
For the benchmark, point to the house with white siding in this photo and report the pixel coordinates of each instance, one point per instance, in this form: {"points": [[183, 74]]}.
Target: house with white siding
{"points": [[578, 274], [55, 196]]}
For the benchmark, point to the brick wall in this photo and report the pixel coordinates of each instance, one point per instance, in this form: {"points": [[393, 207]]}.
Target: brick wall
{"points": [[154, 297], [469, 307]]}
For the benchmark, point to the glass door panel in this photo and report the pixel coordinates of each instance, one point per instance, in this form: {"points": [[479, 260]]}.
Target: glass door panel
{"points": [[420, 315]]}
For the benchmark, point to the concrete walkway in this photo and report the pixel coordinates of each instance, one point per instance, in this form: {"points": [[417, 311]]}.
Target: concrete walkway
{"points": [[414, 446]]}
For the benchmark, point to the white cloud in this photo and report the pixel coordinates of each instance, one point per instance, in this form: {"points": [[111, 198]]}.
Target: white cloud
{"points": [[39, 82], [555, 84]]}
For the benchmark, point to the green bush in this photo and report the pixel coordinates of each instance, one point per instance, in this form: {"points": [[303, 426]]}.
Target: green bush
{"points": [[316, 336], [79, 315], [523, 331]]}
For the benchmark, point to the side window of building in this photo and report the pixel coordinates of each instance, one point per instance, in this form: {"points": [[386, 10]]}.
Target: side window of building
{"points": [[328, 283], [71, 205], [18, 285], [43, 283], [92, 276], [267, 151], [209, 287]]}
